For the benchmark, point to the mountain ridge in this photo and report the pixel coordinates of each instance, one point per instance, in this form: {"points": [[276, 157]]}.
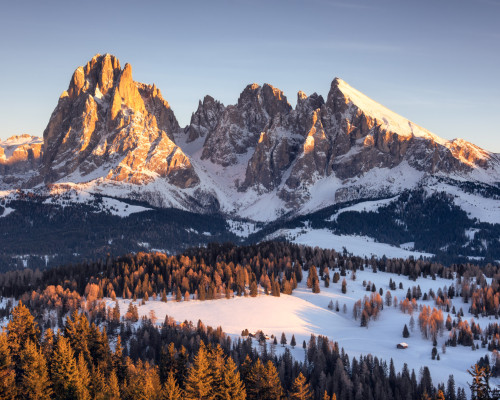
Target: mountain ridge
{"points": [[259, 158]]}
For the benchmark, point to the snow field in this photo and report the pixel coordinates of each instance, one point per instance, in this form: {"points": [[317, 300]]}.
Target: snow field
{"points": [[362, 246], [304, 313]]}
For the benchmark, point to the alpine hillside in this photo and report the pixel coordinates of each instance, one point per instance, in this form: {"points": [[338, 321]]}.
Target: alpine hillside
{"points": [[260, 162]]}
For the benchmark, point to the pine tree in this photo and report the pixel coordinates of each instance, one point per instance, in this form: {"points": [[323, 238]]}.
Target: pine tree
{"points": [[83, 382], [35, 381], [293, 342], [21, 328], [480, 387], [253, 289], [199, 380], [300, 389], [7, 375], [440, 395], [171, 390], [217, 363], [273, 389], [64, 371], [283, 339], [255, 381], [112, 388], [406, 333], [344, 286], [234, 389]]}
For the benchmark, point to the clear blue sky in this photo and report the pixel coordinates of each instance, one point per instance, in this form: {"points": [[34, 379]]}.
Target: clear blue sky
{"points": [[435, 62]]}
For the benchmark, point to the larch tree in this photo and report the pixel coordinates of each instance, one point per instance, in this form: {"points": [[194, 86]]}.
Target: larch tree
{"points": [[171, 390], [7, 374], [64, 371], [35, 382], [21, 328], [112, 387], [301, 390], [234, 389], [273, 388], [198, 385]]}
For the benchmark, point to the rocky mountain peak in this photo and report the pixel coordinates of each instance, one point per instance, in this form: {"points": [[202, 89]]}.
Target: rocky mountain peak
{"points": [[100, 73], [205, 119], [110, 125], [267, 97], [240, 125]]}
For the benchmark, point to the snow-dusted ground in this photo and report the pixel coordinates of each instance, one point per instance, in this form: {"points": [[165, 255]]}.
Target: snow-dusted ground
{"points": [[304, 313], [362, 246], [106, 204], [366, 206], [242, 229], [484, 209]]}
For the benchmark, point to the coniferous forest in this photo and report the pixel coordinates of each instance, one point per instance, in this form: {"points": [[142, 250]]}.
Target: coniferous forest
{"points": [[62, 342]]}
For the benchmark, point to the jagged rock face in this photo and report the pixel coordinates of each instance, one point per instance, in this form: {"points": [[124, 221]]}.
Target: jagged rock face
{"points": [[240, 125], [107, 127], [19, 159], [361, 140], [280, 145], [205, 119], [106, 123]]}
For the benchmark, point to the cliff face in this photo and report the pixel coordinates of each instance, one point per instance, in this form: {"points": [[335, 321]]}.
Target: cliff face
{"points": [[109, 129], [19, 160], [107, 125]]}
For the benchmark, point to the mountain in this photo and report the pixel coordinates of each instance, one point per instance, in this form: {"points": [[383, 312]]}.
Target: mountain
{"points": [[19, 159], [260, 159]]}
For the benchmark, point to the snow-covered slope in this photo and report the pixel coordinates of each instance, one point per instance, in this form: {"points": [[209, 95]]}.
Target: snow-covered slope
{"points": [[304, 313], [259, 158]]}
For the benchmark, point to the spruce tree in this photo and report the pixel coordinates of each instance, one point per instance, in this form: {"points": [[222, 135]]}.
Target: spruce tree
{"points": [[283, 339], [293, 342], [316, 288], [7, 374], [406, 333], [300, 389], [35, 382], [64, 371], [199, 380], [97, 385], [112, 387], [234, 389], [83, 382], [255, 381], [21, 328], [273, 388], [171, 390], [217, 362]]}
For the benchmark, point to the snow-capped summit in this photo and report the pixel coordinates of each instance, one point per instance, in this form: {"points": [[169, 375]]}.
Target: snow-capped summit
{"points": [[259, 158]]}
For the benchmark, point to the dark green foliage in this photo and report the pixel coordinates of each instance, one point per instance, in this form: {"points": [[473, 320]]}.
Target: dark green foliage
{"points": [[406, 332]]}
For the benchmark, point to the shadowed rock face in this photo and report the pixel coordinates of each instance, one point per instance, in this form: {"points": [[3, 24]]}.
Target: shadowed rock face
{"points": [[239, 127], [205, 119], [107, 125], [19, 159]]}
